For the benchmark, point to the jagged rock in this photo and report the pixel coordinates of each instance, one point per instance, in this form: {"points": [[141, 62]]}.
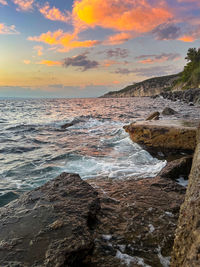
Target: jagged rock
{"points": [[153, 116], [177, 168], [186, 250], [164, 136], [188, 96], [66, 125], [137, 221], [168, 111], [49, 226]]}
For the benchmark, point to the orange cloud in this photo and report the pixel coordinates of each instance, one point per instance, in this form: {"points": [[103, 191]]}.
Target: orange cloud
{"points": [[24, 5], [187, 38], [119, 38], [127, 15], [54, 13], [26, 61], [64, 41], [50, 63], [38, 49], [108, 63], [4, 29]]}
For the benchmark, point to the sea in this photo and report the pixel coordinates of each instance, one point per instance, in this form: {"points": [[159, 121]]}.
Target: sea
{"points": [[35, 148]]}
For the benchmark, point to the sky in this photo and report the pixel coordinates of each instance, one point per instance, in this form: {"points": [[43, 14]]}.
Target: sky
{"points": [[85, 48]]}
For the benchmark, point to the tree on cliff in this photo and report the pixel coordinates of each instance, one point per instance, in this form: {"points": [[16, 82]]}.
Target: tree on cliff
{"points": [[191, 73]]}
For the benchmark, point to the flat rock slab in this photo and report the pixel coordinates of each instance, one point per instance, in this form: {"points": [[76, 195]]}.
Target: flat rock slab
{"points": [[49, 226], [164, 135]]}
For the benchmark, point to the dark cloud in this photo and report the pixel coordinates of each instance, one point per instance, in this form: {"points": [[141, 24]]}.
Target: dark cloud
{"points": [[117, 53], [168, 56], [80, 61], [148, 72], [167, 32]]}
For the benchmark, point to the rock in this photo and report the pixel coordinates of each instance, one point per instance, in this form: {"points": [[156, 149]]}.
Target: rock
{"points": [[188, 96], [51, 225], [168, 137], [186, 251], [176, 168], [153, 116], [168, 111], [66, 125], [137, 221]]}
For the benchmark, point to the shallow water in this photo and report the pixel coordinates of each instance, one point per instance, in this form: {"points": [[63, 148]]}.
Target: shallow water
{"points": [[34, 148]]}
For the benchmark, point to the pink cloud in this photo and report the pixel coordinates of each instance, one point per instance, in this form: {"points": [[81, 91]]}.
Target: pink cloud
{"points": [[4, 29], [3, 2], [24, 5]]}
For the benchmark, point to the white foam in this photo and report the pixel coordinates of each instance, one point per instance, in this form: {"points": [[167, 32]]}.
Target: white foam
{"points": [[151, 228], [182, 182], [127, 259], [106, 237], [165, 261]]}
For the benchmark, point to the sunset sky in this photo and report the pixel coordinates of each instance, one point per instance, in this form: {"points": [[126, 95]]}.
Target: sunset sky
{"points": [[84, 48]]}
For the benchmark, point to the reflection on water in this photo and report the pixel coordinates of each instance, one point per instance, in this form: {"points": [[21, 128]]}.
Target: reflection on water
{"points": [[34, 148]]}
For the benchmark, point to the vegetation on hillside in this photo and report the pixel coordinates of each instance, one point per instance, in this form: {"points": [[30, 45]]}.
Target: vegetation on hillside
{"points": [[191, 73]]}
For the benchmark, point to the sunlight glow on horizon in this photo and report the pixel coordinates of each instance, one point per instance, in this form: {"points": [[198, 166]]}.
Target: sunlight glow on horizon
{"points": [[84, 43]]}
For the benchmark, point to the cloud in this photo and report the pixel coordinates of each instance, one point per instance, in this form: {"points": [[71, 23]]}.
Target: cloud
{"points": [[4, 29], [80, 61], [50, 63], [167, 32], [118, 38], [26, 61], [38, 49], [117, 53], [24, 5], [192, 34], [127, 15], [54, 13], [150, 59], [3, 2], [63, 40], [108, 63], [147, 72]]}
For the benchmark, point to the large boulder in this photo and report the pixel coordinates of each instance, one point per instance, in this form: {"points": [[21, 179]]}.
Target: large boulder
{"points": [[186, 252], [49, 226], [166, 136]]}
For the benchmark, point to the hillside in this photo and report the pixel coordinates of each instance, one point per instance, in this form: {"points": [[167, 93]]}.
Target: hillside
{"points": [[150, 87]]}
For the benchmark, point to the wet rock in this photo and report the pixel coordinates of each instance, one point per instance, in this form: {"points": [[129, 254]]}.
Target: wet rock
{"points": [[66, 125], [50, 226], [137, 221], [176, 168], [186, 250], [164, 136], [188, 96], [168, 111], [153, 116]]}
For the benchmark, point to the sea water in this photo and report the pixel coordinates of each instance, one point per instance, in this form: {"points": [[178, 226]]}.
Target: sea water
{"points": [[34, 147]]}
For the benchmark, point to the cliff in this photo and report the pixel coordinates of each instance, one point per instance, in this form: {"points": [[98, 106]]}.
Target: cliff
{"points": [[150, 87], [186, 250]]}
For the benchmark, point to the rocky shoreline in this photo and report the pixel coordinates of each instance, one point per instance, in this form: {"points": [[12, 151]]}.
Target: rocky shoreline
{"points": [[190, 96], [105, 222]]}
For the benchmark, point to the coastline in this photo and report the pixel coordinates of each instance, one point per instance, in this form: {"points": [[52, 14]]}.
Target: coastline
{"points": [[126, 223]]}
